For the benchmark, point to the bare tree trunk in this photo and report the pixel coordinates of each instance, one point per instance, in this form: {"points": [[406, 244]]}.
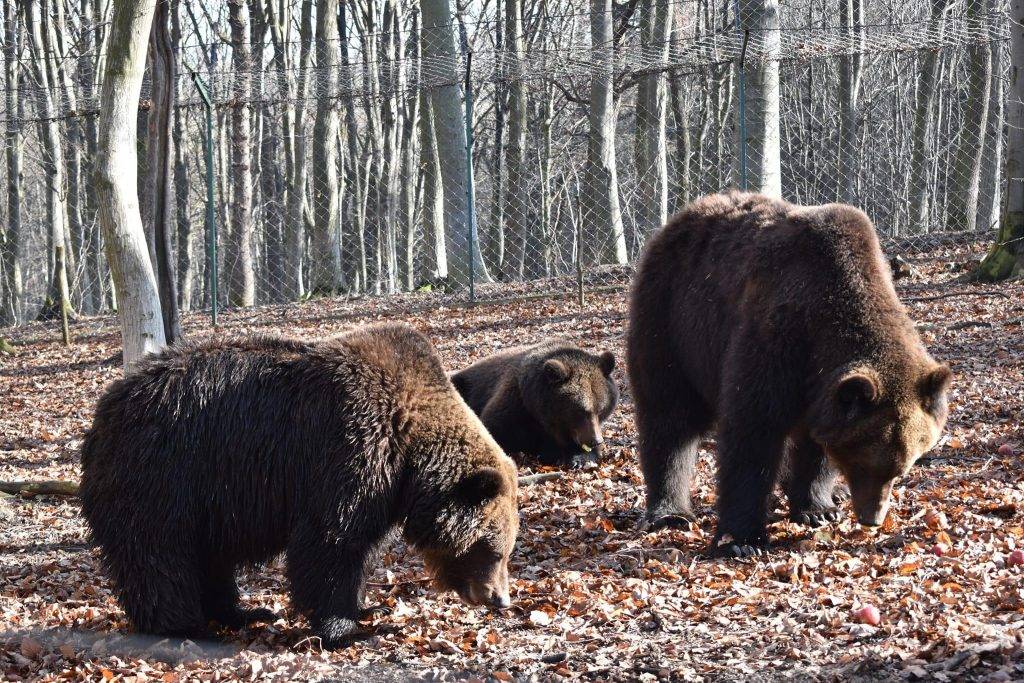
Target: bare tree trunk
{"points": [[159, 169], [52, 152], [239, 257], [851, 18], [990, 199], [433, 197], [354, 251], [761, 106], [183, 221], [651, 111], [515, 191], [10, 242], [963, 208], [294, 133], [1006, 257], [602, 214], [450, 138], [325, 256], [142, 328], [923, 133]]}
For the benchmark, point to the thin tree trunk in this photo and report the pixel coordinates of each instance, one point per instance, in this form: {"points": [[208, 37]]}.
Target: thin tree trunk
{"points": [[651, 111], [602, 214], [325, 254], [1006, 257], [923, 132], [761, 106], [142, 328], [515, 211], [990, 199], [450, 138], [159, 168], [11, 303], [963, 209], [295, 133], [433, 197], [183, 221], [240, 267], [851, 18]]}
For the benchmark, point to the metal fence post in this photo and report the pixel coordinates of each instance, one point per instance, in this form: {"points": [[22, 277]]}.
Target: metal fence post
{"points": [[211, 223], [470, 207]]}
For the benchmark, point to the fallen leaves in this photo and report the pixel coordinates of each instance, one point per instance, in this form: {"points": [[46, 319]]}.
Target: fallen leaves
{"points": [[595, 596]]}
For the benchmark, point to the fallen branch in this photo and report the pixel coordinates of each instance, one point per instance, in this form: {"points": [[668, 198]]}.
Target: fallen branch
{"points": [[967, 324], [538, 478], [52, 487], [982, 292]]}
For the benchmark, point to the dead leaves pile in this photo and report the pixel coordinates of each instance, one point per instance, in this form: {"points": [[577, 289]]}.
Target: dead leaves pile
{"points": [[937, 593]]}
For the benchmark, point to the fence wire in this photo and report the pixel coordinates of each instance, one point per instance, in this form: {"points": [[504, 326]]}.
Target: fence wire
{"points": [[356, 172]]}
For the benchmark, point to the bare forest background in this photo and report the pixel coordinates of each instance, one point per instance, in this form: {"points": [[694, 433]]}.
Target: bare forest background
{"points": [[498, 147]]}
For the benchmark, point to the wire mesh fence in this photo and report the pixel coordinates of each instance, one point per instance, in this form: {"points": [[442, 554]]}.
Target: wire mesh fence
{"points": [[382, 148]]}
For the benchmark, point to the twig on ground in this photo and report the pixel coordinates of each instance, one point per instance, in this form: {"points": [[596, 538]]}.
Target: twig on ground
{"points": [[50, 487], [981, 292], [967, 324], [538, 478]]}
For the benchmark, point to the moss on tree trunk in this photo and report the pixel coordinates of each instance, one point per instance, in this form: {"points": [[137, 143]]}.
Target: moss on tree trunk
{"points": [[1006, 257]]}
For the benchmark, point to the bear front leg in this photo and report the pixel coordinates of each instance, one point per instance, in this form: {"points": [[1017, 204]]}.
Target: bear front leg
{"points": [[220, 599], [810, 484], [668, 453], [327, 581], [750, 451]]}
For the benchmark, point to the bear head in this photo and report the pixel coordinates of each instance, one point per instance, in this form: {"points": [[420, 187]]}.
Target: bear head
{"points": [[571, 392], [467, 536], [875, 422]]}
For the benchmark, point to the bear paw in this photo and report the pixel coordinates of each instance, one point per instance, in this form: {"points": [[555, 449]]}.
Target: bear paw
{"points": [[817, 517], [374, 612], [675, 519], [240, 617], [336, 632], [753, 547]]}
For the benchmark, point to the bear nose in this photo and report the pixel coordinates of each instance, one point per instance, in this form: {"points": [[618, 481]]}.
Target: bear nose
{"points": [[500, 600]]}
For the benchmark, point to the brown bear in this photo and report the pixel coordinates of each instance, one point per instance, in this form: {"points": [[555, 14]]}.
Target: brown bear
{"points": [[547, 400], [779, 324], [217, 455]]}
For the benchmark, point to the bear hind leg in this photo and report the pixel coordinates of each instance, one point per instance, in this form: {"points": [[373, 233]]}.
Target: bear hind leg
{"points": [[669, 440], [220, 600], [161, 596], [810, 485]]}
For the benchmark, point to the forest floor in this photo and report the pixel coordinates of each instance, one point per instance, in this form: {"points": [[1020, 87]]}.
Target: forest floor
{"points": [[595, 596]]}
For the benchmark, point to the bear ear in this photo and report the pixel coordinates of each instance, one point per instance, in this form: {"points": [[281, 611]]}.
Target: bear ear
{"points": [[481, 486], [555, 371], [937, 381], [856, 392], [607, 362]]}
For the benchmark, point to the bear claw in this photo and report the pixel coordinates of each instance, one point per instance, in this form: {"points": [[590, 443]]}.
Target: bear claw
{"points": [[340, 632], [244, 616], [816, 518], [374, 612], [673, 520]]}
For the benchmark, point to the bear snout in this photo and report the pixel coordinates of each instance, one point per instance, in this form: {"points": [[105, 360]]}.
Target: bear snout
{"points": [[871, 502]]}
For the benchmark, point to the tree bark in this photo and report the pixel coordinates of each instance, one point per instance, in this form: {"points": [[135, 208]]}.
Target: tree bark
{"points": [[851, 18], [433, 197], [142, 328], [602, 214], [990, 190], [159, 170], [651, 111], [923, 132], [450, 138], [515, 192], [186, 270], [10, 242], [1006, 257], [239, 257], [761, 86], [325, 253], [966, 176]]}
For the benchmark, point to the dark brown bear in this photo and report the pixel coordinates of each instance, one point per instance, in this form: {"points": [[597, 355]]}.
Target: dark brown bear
{"points": [[225, 454], [780, 325], [547, 400]]}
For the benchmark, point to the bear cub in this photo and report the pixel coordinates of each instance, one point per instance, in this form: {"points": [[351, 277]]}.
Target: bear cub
{"points": [[212, 456], [548, 400], [779, 325]]}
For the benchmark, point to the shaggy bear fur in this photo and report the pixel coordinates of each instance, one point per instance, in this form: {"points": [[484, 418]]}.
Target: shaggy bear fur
{"points": [[547, 400], [217, 455], [780, 324]]}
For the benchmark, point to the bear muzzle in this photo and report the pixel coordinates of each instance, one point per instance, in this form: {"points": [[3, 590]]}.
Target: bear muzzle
{"points": [[496, 597], [589, 437], [871, 502]]}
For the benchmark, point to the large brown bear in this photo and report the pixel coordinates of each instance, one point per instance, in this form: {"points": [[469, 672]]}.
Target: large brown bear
{"points": [[547, 400], [212, 456], [780, 324]]}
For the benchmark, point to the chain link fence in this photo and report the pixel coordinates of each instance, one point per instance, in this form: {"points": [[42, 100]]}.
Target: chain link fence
{"points": [[526, 154]]}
